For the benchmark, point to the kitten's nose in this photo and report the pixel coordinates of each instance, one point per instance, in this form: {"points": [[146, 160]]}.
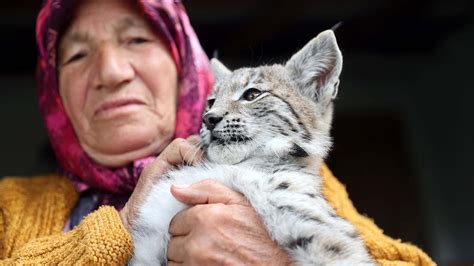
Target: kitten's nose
{"points": [[211, 120]]}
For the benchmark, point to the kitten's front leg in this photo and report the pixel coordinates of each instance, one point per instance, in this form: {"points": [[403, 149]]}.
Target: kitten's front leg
{"points": [[150, 231]]}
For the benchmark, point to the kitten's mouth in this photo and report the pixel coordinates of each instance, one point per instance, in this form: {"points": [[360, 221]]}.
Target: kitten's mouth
{"points": [[233, 139], [213, 138]]}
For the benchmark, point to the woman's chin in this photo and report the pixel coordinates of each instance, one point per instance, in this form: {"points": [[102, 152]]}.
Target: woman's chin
{"points": [[121, 148]]}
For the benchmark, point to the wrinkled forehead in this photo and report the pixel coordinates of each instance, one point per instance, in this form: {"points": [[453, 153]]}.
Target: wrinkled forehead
{"points": [[88, 16]]}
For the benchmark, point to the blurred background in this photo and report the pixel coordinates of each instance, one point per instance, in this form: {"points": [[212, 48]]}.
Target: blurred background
{"points": [[403, 127]]}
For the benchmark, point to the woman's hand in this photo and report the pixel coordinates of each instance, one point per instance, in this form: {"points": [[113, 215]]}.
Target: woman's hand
{"points": [[222, 229], [179, 151]]}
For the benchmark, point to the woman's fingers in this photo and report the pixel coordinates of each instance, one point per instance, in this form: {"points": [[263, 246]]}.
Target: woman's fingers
{"points": [[200, 193], [184, 221], [182, 150], [207, 191], [194, 139], [176, 252], [179, 151], [222, 229]]}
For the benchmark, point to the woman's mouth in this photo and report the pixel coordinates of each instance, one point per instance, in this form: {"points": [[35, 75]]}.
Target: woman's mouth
{"points": [[114, 105]]}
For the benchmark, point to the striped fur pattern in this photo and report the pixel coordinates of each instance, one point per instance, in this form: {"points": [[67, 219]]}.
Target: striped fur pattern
{"points": [[266, 133]]}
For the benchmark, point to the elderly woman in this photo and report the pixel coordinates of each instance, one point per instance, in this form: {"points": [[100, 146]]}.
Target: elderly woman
{"points": [[118, 81]]}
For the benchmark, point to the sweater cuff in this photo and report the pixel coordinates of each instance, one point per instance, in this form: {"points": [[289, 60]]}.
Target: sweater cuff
{"points": [[99, 239]]}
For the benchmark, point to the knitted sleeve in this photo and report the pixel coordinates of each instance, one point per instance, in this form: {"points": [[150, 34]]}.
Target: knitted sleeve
{"points": [[33, 212], [99, 239], [385, 250]]}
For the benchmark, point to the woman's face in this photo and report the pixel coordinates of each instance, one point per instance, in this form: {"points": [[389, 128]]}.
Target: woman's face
{"points": [[118, 83]]}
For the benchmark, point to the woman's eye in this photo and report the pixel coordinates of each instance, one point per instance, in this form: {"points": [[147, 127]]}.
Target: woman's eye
{"points": [[251, 94], [138, 40], [75, 57], [210, 102]]}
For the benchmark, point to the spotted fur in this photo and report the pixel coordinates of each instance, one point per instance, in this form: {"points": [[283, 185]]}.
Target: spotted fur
{"points": [[266, 133]]}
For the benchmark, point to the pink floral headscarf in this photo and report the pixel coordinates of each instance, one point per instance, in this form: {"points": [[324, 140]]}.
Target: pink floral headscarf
{"points": [[170, 21]]}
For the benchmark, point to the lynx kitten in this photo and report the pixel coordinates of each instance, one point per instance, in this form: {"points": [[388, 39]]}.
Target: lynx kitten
{"points": [[266, 134]]}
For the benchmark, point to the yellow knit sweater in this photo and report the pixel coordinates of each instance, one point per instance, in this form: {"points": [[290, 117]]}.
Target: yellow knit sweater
{"points": [[33, 212]]}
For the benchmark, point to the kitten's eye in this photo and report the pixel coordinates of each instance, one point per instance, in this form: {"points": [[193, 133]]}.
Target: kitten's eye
{"points": [[251, 94], [210, 102]]}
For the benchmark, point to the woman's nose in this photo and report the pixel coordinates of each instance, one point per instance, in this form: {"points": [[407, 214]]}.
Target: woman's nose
{"points": [[113, 69]]}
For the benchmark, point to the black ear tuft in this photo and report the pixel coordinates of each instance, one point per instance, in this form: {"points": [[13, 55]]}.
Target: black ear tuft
{"points": [[215, 54], [337, 26]]}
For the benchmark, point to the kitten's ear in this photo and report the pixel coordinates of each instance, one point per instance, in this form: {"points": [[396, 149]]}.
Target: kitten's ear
{"points": [[317, 66], [218, 69]]}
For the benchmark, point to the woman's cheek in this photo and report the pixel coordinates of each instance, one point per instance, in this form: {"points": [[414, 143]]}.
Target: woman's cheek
{"points": [[73, 91]]}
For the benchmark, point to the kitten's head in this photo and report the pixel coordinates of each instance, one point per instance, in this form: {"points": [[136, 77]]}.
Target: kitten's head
{"points": [[274, 110]]}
